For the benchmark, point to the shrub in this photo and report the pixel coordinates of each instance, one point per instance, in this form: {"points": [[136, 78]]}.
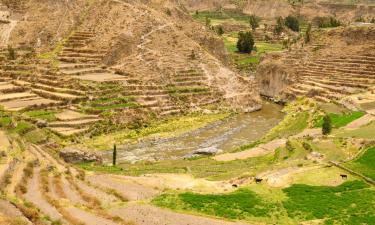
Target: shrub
{"points": [[208, 21], [245, 43], [254, 22], [289, 146], [220, 30], [307, 146], [292, 23]]}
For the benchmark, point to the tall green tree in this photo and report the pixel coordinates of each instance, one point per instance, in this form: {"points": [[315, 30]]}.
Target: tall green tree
{"points": [[292, 23], [254, 22], [245, 43], [114, 156], [279, 25], [308, 34], [327, 125]]}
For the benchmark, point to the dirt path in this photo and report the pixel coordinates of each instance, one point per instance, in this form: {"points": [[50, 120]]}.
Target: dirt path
{"points": [[150, 215], [366, 119], [261, 150]]}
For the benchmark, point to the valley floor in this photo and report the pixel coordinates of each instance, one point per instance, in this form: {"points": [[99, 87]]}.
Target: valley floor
{"points": [[263, 182]]}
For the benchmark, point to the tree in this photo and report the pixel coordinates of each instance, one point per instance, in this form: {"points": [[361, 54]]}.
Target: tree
{"points": [[308, 34], [114, 157], [292, 23], [279, 25], [327, 125], [11, 53], [208, 21], [254, 22], [245, 43]]}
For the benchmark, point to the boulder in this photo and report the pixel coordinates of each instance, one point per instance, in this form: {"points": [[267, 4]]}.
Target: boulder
{"points": [[72, 155], [208, 151]]}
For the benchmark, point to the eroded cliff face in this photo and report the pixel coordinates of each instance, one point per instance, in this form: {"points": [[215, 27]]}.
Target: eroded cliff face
{"points": [[336, 63], [274, 77]]}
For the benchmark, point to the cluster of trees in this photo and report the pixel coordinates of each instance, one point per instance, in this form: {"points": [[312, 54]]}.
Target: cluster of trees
{"points": [[290, 22], [323, 22]]}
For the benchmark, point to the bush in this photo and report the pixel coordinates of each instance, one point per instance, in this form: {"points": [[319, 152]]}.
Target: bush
{"points": [[220, 30], [245, 43], [292, 23]]}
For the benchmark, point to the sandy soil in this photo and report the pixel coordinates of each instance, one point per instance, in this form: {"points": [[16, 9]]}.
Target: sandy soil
{"points": [[5, 97], [67, 131], [147, 215], [105, 198], [360, 122], [254, 152], [129, 189], [70, 115], [4, 142], [178, 182], [22, 103], [88, 218], [101, 77]]}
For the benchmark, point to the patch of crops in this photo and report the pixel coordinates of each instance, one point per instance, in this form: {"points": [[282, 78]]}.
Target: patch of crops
{"points": [[349, 203], [240, 204], [365, 164]]}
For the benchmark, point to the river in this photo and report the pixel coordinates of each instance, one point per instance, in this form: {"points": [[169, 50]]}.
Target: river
{"points": [[220, 136]]}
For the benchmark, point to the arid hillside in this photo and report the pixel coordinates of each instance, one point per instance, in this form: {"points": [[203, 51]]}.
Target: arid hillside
{"points": [[167, 62], [337, 63], [274, 8]]}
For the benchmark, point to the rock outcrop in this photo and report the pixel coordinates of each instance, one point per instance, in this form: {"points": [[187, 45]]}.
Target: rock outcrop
{"points": [[71, 155]]}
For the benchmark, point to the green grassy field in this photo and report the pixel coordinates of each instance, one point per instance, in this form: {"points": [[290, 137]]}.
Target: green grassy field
{"points": [[47, 115], [200, 168], [365, 164], [340, 120], [366, 131], [221, 17], [348, 203], [242, 204], [248, 61]]}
